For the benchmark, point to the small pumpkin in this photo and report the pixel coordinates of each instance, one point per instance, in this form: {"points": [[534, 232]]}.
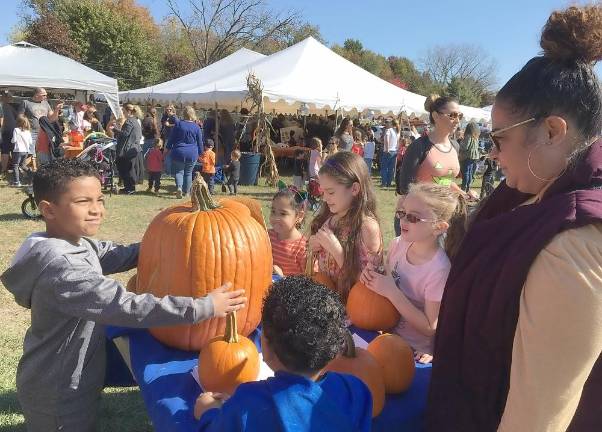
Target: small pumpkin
{"points": [[396, 358], [192, 248], [369, 310], [318, 277], [228, 360], [361, 364]]}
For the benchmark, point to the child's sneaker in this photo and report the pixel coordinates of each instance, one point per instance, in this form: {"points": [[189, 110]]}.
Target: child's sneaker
{"points": [[179, 194], [17, 184]]}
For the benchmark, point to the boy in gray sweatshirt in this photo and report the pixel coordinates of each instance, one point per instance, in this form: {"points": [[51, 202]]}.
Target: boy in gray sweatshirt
{"points": [[59, 275]]}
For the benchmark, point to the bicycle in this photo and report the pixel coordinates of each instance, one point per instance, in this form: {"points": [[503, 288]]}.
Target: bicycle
{"points": [[29, 208]]}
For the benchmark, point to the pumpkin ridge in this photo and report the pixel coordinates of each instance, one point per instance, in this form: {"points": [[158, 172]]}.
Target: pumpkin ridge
{"points": [[192, 232]]}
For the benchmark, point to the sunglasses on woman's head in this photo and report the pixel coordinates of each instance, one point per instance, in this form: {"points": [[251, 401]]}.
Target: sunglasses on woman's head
{"points": [[453, 115], [413, 219], [495, 133]]}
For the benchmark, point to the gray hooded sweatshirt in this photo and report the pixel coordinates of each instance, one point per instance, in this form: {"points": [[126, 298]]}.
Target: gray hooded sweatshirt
{"points": [[63, 365]]}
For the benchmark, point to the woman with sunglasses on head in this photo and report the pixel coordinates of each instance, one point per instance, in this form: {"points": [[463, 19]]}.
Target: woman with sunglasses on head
{"points": [[520, 338], [433, 158], [417, 266]]}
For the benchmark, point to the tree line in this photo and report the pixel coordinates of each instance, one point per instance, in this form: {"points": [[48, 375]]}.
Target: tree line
{"points": [[121, 38]]}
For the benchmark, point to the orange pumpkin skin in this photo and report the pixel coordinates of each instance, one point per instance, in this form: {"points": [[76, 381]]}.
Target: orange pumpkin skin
{"points": [[361, 364], [190, 253], [253, 205], [369, 310], [131, 285], [396, 358], [323, 279], [228, 360]]}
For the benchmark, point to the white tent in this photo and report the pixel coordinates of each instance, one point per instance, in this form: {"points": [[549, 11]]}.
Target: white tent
{"points": [[26, 65], [309, 73], [169, 91]]}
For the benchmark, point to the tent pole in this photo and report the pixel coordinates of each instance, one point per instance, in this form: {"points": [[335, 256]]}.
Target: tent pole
{"points": [[216, 131]]}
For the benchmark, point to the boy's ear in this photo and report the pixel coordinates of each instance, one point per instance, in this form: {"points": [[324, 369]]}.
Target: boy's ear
{"points": [[47, 210]]}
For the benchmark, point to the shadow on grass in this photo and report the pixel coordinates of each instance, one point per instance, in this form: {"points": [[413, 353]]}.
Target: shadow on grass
{"points": [[11, 217], [121, 410]]}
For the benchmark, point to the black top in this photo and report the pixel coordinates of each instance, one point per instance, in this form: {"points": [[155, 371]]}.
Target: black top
{"points": [[233, 170]]}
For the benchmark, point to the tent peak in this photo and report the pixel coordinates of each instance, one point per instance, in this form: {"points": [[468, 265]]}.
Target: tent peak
{"points": [[25, 44]]}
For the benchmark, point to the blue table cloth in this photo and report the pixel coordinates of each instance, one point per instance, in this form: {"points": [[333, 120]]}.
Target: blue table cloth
{"points": [[170, 391]]}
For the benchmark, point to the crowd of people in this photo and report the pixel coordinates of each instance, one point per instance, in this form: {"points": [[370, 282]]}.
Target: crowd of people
{"points": [[506, 305]]}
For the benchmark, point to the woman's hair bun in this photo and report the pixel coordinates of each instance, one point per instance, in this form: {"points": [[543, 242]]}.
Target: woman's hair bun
{"points": [[574, 34], [430, 102]]}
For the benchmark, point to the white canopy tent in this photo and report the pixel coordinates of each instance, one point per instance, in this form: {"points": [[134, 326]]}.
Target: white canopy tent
{"points": [[307, 73], [23, 65], [169, 91]]}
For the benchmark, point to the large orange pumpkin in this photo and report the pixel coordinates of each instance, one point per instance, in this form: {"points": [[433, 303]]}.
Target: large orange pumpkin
{"points": [[192, 248], [396, 358], [228, 360], [254, 207], [369, 310], [361, 364]]}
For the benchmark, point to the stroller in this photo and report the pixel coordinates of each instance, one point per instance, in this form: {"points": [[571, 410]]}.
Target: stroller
{"points": [[99, 150], [314, 194]]}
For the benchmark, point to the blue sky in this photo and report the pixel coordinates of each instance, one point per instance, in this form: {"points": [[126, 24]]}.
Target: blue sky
{"points": [[508, 30]]}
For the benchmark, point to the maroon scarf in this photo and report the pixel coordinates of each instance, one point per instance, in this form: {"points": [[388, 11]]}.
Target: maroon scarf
{"points": [[480, 306]]}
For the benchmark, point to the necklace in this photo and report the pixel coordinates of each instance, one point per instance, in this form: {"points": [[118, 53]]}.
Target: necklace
{"points": [[444, 151]]}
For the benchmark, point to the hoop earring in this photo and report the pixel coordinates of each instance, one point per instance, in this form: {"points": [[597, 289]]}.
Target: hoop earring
{"points": [[553, 179]]}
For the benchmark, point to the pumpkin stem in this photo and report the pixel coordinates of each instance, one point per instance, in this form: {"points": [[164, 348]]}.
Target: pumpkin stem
{"points": [[309, 264], [349, 345], [231, 333], [201, 198]]}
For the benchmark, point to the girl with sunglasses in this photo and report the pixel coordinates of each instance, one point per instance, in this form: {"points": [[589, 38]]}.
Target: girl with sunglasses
{"points": [[417, 267], [433, 158]]}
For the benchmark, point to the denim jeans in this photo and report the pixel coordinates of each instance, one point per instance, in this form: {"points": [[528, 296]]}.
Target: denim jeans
{"points": [[387, 167], [183, 174], [469, 166], [18, 160], [210, 180]]}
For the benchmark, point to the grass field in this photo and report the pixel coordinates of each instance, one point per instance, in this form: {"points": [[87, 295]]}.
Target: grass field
{"points": [[126, 220]]}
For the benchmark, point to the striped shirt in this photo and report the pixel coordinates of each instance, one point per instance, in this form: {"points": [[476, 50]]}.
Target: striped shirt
{"points": [[289, 255]]}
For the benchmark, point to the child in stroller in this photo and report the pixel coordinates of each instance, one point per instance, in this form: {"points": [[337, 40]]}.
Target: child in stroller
{"points": [[99, 150]]}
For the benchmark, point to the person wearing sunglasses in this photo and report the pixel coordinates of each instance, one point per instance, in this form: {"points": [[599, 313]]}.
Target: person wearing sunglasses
{"points": [[433, 158], [519, 337], [417, 266]]}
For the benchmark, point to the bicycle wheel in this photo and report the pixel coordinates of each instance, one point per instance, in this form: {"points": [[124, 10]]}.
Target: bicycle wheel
{"points": [[30, 209]]}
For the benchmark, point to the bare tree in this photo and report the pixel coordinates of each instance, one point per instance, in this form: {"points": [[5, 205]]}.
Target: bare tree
{"points": [[464, 62], [215, 28]]}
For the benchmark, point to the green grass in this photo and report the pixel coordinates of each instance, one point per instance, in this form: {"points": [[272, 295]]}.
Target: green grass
{"points": [[126, 220]]}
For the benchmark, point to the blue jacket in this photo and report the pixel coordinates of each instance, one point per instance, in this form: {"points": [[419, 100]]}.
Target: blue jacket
{"points": [[185, 141], [293, 403]]}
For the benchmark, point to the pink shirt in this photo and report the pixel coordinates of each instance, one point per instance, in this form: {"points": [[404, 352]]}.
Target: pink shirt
{"points": [[439, 167], [315, 163], [419, 283]]}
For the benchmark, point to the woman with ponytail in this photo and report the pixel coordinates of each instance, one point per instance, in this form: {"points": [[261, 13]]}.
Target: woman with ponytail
{"points": [[433, 158], [519, 337]]}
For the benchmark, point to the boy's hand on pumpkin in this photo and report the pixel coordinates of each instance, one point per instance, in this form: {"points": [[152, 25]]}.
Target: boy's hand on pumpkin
{"points": [[207, 401], [225, 301]]}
